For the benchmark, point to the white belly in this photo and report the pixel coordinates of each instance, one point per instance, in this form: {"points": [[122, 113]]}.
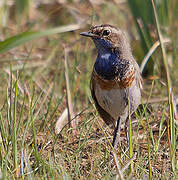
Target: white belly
{"points": [[115, 101]]}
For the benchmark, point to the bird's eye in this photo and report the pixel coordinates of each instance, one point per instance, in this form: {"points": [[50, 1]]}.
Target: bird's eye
{"points": [[106, 33]]}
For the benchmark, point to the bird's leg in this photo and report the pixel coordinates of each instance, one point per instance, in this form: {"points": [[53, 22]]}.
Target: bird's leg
{"points": [[116, 136], [126, 130], [116, 139]]}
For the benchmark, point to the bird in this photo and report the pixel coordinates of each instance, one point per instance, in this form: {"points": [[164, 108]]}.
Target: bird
{"points": [[116, 80]]}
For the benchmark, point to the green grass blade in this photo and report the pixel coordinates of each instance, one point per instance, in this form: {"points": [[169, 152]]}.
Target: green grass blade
{"points": [[169, 90], [21, 38], [130, 135], [3, 133], [143, 17], [149, 159], [14, 139]]}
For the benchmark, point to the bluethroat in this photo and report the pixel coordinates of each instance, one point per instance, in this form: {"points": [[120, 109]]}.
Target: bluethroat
{"points": [[115, 76]]}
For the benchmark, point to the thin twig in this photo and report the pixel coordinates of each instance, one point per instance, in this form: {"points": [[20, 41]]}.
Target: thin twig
{"points": [[128, 163], [120, 172]]}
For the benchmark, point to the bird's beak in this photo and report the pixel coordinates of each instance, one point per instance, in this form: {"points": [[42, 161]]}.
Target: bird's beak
{"points": [[88, 34]]}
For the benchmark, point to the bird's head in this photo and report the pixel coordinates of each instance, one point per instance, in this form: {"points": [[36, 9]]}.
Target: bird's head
{"points": [[107, 37]]}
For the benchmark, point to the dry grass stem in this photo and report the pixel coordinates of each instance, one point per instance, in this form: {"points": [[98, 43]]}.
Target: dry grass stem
{"points": [[71, 114], [150, 52]]}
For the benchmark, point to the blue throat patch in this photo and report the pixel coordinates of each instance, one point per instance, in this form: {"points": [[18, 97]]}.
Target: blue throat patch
{"points": [[106, 64]]}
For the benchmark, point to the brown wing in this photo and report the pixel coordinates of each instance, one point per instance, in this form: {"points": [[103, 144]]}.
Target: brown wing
{"points": [[104, 115], [138, 75]]}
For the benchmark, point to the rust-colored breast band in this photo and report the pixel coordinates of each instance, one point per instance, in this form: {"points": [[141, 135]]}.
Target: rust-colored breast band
{"points": [[104, 84], [114, 84], [127, 80]]}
